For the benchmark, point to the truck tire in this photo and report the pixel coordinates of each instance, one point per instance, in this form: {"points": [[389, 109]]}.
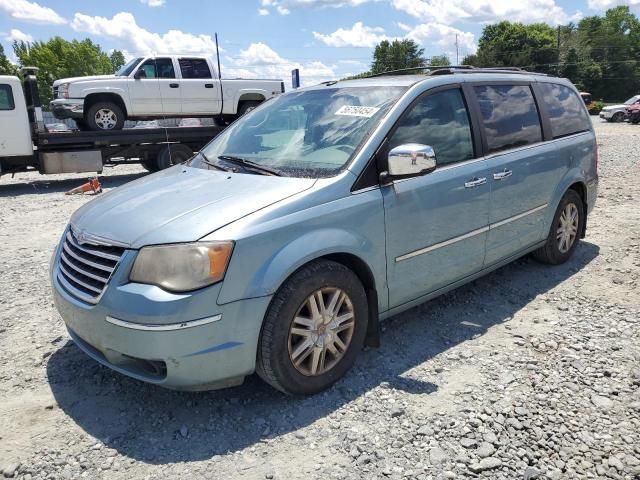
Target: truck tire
{"points": [[313, 330], [172, 154], [247, 106], [105, 116]]}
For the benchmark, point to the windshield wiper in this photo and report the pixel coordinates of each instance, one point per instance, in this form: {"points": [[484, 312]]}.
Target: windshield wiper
{"points": [[210, 163], [243, 162]]}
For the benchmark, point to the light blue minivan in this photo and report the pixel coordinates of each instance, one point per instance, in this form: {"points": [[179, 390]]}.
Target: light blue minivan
{"points": [[282, 243]]}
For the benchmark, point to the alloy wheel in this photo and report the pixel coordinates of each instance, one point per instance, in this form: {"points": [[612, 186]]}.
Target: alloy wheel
{"points": [[567, 228]]}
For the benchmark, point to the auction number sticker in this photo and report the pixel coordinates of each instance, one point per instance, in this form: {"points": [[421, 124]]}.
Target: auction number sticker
{"points": [[357, 111]]}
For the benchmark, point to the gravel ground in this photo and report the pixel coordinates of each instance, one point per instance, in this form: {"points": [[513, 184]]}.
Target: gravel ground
{"points": [[530, 372]]}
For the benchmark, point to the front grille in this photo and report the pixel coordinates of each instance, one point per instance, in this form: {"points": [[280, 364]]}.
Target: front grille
{"points": [[84, 269]]}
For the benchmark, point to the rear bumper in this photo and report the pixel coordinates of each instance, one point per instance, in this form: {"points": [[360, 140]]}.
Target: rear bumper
{"points": [[67, 108]]}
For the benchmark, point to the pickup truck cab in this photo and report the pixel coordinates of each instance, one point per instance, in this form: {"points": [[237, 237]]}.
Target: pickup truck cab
{"points": [[155, 87]]}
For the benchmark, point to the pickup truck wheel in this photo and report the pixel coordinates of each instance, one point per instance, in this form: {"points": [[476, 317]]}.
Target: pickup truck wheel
{"points": [[565, 230], [105, 116], [313, 330], [247, 107], [171, 155]]}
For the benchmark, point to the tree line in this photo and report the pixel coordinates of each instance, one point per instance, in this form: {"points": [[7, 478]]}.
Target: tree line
{"points": [[59, 58], [599, 54]]}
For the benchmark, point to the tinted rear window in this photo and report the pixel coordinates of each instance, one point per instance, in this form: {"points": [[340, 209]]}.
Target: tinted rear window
{"points": [[565, 110], [6, 97], [194, 68], [509, 115]]}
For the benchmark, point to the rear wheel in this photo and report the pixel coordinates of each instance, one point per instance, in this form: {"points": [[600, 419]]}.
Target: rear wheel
{"points": [[568, 223], [314, 329], [105, 116], [635, 118], [171, 155], [247, 106]]}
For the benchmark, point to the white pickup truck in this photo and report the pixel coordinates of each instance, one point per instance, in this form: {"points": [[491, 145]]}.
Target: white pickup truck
{"points": [[155, 87]]}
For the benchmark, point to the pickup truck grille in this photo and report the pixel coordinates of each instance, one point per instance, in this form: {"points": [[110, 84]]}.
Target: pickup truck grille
{"points": [[85, 269]]}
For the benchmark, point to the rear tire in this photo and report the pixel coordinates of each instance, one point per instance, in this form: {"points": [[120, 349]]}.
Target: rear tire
{"points": [[105, 116], [247, 106], [171, 155], [302, 353], [564, 234]]}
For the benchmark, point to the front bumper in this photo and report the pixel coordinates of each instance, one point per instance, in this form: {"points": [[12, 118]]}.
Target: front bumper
{"points": [[67, 108], [183, 342]]}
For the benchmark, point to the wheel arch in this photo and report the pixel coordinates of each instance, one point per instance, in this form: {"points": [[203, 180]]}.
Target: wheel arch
{"points": [[572, 181], [581, 189], [93, 98]]}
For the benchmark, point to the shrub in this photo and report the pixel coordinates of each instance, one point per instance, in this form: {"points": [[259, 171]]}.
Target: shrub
{"points": [[595, 107]]}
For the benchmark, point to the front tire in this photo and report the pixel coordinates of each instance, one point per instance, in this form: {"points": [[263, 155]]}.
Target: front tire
{"points": [[564, 235], [618, 117], [103, 116], [314, 329]]}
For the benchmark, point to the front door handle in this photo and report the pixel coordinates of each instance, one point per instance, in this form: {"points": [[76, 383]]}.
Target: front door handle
{"points": [[174, 85], [502, 175], [208, 85], [475, 182]]}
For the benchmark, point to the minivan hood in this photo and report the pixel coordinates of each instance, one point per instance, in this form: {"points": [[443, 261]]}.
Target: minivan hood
{"points": [[87, 78], [181, 204]]}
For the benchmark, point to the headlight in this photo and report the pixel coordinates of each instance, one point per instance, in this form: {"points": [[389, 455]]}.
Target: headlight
{"points": [[182, 267], [63, 90]]}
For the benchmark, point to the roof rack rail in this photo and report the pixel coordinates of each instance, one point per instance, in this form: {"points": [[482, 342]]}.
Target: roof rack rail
{"points": [[449, 69]]}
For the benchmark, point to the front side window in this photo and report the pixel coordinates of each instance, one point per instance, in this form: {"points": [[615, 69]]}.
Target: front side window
{"points": [[309, 133], [565, 109], [194, 68], [440, 120], [6, 97], [158, 68], [509, 115]]}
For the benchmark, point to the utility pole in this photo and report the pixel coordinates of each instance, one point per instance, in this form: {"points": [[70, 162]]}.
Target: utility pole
{"points": [[457, 55]]}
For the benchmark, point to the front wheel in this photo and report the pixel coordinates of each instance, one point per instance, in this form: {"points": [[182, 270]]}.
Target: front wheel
{"points": [[568, 223], [618, 117], [105, 116], [313, 330]]}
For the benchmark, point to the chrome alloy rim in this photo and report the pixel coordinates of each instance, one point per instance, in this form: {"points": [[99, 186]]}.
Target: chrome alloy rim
{"points": [[567, 228], [321, 331], [106, 119]]}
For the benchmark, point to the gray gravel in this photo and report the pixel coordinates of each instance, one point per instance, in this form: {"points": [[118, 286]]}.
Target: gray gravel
{"points": [[532, 372]]}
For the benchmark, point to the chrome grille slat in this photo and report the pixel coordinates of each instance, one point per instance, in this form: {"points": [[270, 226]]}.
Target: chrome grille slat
{"points": [[92, 251], [84, 270], [68, 263], [78, 281], [70, 252]]}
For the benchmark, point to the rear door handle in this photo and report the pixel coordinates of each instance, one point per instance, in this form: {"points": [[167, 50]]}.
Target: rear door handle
{"points": [[475, 182], [174, 85], [208, 85], [502, 175]]}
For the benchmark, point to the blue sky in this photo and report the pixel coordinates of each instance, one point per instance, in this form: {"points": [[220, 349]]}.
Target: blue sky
{"points": [[324, 38]]}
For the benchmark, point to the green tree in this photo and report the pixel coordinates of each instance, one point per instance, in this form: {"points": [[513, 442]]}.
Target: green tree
{"points": [[58, 58], [117, 60], [6, 67], [396, 55], [439, 61]]}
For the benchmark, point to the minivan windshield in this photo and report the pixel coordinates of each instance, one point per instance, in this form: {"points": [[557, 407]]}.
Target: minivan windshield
{"points": [[632, 100], [127, 68], [308, 133]]}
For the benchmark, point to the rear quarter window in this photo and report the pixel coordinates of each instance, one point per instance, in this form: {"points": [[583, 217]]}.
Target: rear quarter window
{"points": [[509, 116], [565, 110], [6, 97]]}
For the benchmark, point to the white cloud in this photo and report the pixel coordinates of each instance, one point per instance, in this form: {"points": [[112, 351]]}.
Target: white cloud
{"points": [[357, 36], [263, 11], [123, 27], [442, 38], [284, 7], [282, 10], [486, 11], [260, 60], [606, 4], [153, 3], [30, 12], [16, 34]]}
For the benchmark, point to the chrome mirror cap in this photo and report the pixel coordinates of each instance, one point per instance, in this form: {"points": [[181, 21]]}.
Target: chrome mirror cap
{"points": [[410, 160]]}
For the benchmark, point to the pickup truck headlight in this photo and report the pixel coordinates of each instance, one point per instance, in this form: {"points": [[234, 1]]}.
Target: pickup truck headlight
{"points": [[63, 90], [182, 267]]}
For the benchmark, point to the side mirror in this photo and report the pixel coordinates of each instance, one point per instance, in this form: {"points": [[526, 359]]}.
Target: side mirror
{"points": [[409, 160], [140, 73]]}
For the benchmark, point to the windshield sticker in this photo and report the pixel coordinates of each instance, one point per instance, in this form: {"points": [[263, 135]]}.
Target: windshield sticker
{"points": [[357, 111]]}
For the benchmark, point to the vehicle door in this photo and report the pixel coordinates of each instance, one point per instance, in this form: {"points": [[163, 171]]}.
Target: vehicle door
{"points": [[155, 90], [200, 90], [522, 167], [436, 224]]}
